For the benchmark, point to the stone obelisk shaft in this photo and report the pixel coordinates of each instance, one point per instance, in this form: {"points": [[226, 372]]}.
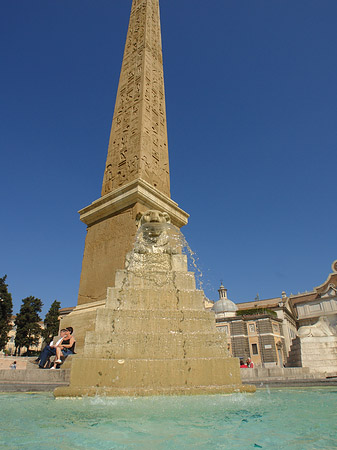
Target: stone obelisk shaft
{"points": [[136, 176], [138, 140]]}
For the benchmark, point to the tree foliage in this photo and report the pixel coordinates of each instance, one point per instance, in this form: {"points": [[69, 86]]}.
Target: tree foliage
{"points": [[51, 322], [6, 309], [256, 311], [28, 330]]}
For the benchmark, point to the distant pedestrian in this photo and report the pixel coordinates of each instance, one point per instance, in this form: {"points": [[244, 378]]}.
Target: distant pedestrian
{"points": [[250, 363], [13, 366]]}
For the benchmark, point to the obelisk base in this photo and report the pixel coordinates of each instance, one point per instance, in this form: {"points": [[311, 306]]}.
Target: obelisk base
{"points": [[112, 226], [154, 337], [153, 377]]}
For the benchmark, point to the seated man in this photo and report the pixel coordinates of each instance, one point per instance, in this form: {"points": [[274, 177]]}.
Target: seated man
{"points": [[66, 347], [50, 349]]}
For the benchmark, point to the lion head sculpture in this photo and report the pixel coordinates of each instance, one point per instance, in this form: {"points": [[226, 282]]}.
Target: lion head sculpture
{"points": [[154, 233]]}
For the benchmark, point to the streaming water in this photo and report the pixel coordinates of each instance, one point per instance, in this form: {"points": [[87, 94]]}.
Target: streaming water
{"points": [[158, 238], [291, 419]]}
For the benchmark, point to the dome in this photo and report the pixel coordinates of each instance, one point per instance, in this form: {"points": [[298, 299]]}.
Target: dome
{"points": [[224, 305]]}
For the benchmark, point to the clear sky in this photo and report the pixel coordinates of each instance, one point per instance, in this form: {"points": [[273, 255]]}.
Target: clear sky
{"points": [[252, 122]]}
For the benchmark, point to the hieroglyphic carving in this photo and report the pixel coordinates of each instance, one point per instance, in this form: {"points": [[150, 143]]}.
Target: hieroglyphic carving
{"points": [[138, 140]]}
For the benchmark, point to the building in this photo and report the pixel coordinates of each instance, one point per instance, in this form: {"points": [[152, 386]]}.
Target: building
{"points": [[265, 330], [321, 301], [258, 336], [284, 311]]}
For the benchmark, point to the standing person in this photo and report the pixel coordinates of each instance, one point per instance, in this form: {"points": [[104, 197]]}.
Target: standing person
{"points": [[50, 349], [67, 347]]}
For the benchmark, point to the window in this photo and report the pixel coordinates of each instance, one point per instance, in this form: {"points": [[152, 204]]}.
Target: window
{"points": [[255, 349], [251, 328]]}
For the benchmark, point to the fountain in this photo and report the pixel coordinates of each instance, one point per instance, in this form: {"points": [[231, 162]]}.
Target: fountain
{"points": [[292, 419], [153, 337]]}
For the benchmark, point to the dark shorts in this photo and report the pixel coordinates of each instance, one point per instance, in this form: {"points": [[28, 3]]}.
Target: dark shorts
{"points": [[67, 352]]}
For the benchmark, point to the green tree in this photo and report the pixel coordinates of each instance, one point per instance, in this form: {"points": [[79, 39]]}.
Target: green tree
{"points": [[28, 330], [51, 322], [6, 309]]}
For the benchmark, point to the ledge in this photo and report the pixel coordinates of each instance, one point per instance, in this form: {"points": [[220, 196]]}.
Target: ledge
{"points": [[138, 191]]}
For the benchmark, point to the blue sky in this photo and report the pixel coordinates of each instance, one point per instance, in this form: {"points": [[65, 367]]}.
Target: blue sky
{"points": [[251, 106]]}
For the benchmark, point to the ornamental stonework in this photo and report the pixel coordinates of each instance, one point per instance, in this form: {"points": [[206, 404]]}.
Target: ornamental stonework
{"points": [[138, 140]]}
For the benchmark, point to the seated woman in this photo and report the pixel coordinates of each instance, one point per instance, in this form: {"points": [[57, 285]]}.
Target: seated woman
{"points": [[66, 348]]}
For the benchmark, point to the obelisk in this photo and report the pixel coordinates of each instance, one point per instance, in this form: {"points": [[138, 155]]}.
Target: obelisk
{"points": [[136, 176]]}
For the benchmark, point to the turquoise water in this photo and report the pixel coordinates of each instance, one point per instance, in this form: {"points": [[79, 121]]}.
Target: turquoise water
{"points": [[292, 419]]}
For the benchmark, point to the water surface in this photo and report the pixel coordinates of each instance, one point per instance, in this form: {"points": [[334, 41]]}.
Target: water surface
{"points": [[292, 419]]}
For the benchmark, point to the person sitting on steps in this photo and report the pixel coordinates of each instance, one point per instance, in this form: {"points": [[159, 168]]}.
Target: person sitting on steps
{"points": [[66, 348], [50, 349]]}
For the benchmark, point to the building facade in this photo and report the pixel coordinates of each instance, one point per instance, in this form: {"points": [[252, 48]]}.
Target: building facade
{"points": [[284, 311], [258, 337], [265, 330], [10, 347], [322, 301]]}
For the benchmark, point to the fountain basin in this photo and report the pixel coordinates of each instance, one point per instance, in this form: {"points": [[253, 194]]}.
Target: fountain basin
{"points": [[289, 419]]}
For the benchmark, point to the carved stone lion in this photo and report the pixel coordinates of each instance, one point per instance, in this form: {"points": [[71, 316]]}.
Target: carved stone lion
{"points": [[318, 329], [154, 234]]}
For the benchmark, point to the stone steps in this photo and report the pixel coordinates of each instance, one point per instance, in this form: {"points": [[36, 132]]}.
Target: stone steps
{"points": [[294, 357], [286, 377], [35, 376], [33, 379], [318, 353]]}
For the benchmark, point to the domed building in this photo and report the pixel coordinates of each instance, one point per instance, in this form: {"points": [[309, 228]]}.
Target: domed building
{"points": [[224, 307], [265, 330], [257, 335]]}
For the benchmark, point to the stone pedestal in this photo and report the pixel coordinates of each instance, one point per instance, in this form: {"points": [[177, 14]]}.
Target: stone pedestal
{"points": [[319, 353], [112, 226], [154, 337]]}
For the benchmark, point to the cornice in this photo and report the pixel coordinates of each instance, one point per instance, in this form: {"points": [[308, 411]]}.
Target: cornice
{"points": [[138, 191]]}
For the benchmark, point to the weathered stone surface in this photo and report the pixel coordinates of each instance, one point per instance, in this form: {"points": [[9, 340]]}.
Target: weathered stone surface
{"points": [[136, 176], [138, 142], [35, 376], [123, 355], [321, 328], [153, 340], [319, 353]]}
